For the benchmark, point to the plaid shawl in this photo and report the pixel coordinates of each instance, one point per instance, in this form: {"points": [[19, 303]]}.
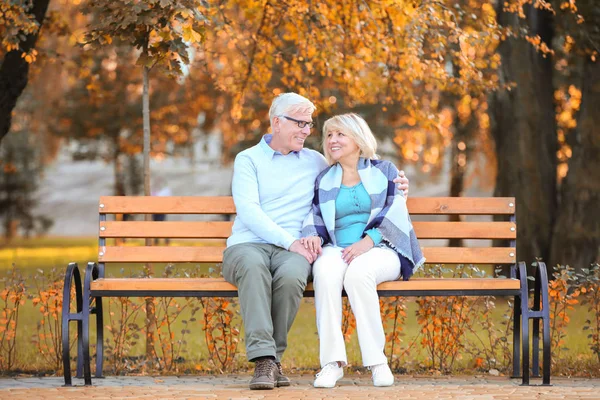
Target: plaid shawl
{"points": [[388, 210]]}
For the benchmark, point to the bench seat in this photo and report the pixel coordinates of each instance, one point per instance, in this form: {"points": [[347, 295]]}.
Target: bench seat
{"points": [[192, 287]]}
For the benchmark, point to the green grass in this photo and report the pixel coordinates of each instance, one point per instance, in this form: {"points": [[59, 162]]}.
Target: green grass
{"points": [[38, 256], [49, 241]]}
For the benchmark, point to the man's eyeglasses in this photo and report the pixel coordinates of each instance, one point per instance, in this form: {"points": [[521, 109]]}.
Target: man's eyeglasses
{"points": [[301, 124]]}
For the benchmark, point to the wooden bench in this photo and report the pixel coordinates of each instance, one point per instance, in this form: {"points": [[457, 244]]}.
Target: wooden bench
{"points": [[88, 298]]}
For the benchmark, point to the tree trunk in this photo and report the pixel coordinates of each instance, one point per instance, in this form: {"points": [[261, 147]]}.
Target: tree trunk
{"points": [[462, 143], [524, 131], [146, 122], [150, 309], [118, 167], [576, 239], [14, 71]]}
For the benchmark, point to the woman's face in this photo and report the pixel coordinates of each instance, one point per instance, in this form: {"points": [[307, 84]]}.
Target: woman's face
{"points": [[340, 147]]}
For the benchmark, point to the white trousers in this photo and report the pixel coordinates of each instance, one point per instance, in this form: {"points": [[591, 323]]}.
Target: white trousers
{"points": [[360, 279]]}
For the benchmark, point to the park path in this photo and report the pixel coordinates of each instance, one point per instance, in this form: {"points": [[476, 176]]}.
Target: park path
{"points": [[350, 387]]}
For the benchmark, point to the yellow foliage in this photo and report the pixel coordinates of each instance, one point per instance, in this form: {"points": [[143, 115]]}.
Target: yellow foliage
{"points": [[370, 54], [190, 35]]}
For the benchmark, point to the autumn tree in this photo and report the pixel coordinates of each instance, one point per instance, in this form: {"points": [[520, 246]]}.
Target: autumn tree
{"points": [[397, 55], [20, 24], [524, 127], [553, 216], [576, 233], [387, 60], [27, 145], [161, 30]]}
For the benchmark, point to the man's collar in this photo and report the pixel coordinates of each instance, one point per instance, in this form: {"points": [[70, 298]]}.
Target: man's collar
{"points": [[269, 151]]}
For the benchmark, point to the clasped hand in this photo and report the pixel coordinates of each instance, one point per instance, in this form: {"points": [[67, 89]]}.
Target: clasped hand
{"points": [[307, 247], [312, 244], [310, 248]]}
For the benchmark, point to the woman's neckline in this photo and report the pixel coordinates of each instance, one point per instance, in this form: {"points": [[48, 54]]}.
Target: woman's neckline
{"points": [[351, 187]]}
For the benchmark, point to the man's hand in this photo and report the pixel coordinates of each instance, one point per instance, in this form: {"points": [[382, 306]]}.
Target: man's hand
{"points": [[402, 182], [312, 244], [362, 246], [298, 247]]}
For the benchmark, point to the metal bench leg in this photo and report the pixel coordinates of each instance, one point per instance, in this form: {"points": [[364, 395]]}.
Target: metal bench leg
{"points": [[71, 275], [81, 358], [517, 338], [86, 347], [91, 273], [79, 370], [542, 277], [99, 324], [524, 322], [99, 338], [535, 368]]}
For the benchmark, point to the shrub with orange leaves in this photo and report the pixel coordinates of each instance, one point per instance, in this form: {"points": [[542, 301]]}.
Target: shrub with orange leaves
{"points": [[221, 336], [443, 323], [591, 291], [122, 331], [49, 300], [491, 347], [170, 346], [563, 292], [444, 320], [393, 314], [12, 297], [167, 311]]}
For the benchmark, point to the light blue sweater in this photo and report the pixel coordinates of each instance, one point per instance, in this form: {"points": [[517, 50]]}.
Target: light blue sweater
{"points": [[272, 193], [352, 210]]}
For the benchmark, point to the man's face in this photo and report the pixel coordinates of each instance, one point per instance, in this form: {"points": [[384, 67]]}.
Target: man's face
{"points": [[287, 134]]}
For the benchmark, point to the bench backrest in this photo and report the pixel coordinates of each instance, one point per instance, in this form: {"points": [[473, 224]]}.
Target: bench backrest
{"points": [[219, 229]]}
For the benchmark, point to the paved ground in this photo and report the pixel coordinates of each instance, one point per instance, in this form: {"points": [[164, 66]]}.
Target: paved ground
{"points": [[351, 387]]}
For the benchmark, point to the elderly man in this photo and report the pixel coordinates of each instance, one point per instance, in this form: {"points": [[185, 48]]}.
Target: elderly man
{"points": [[273, 187]]}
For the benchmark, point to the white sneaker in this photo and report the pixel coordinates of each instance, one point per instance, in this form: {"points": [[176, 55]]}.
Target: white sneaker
{"points": [[329, 375], [382, 375]]}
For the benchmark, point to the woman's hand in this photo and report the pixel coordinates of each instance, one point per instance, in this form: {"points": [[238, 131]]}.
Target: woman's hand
{"points": [[362, 246], [312, 244]]}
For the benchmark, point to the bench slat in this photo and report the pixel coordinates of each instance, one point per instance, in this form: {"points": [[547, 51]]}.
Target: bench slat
{"points": [[175, 254], [166, 229], [465, 230], [461, 205], [225, 205], [166, 205], [220, 285], [222, 230]]}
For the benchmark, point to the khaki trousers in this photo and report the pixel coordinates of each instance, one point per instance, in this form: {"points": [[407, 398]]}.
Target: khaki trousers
{"points": [[270, 282]]}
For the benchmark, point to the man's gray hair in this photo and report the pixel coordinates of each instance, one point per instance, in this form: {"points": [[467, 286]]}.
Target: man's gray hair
{"points": [[290, 103]]}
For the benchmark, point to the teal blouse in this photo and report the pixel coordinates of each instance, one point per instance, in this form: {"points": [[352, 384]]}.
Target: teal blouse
{"points": [[352, 210]]}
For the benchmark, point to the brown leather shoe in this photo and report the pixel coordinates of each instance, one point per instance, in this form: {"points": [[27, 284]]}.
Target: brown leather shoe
{"points": [[265, 373], [280, 378]]}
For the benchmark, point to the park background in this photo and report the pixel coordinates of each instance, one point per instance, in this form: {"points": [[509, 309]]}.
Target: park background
{"points": [[469, 97]]}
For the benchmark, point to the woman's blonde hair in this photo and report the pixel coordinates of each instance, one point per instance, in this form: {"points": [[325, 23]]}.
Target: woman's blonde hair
{"points": [[356, 128]]}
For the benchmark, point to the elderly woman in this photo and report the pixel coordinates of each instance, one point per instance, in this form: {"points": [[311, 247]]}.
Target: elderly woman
{"points": [[359, 224]]}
